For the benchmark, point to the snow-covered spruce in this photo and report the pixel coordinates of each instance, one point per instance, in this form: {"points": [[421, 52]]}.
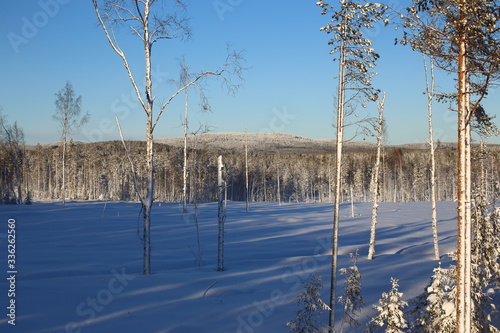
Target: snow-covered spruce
{"points": [[307, 319], [434, 310], [352, 300], [390, 311]]}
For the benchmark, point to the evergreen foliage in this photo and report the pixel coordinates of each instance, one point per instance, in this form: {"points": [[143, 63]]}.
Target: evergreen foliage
{"points": [[434, 310], [307, 318], [390, 311], [352, 300]]}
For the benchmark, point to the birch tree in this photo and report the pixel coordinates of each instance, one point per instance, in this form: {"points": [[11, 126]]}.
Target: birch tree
{"points": [[379, 127], [356, 59], [68, 109], [463, 36], [184, 79], [429, 89], [152, 21], [247, 193], [221, 212]]}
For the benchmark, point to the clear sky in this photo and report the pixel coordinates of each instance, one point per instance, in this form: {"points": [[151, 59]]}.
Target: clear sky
{"points": [[290, 87]]}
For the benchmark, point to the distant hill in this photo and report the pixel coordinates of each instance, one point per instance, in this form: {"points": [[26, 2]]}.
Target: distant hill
{"points": [[270, 142], [287, 143]]}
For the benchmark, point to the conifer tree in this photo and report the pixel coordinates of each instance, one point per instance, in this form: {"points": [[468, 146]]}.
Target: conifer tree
{"points": [[356, 58], [352, 300], [434, 310], [390, 311], [463, 37], [307, 319]]}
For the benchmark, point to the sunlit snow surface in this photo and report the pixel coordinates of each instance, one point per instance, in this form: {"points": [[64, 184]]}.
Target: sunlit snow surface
{"points": [[80, 265]]}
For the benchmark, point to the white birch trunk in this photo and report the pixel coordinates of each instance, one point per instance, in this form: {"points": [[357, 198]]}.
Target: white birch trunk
{"points": [[184, 168], [430, 97], [374, 184], [221, 215], [338, 186], [278, 193], [246, 172], [352, 201], [63, 195]]}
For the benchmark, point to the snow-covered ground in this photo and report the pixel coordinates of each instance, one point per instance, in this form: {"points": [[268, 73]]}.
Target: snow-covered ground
{"points": [[79, 266]]}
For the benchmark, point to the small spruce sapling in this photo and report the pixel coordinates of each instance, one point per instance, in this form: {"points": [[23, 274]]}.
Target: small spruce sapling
{"points": [[307, 319], [390, 311], [352, 300], [434, 309]]}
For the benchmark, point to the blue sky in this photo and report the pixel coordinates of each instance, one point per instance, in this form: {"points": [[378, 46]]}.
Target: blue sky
{"points": [[290, 87]]}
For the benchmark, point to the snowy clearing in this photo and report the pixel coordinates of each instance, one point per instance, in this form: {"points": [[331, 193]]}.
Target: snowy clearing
{"points": [[79, 266]]}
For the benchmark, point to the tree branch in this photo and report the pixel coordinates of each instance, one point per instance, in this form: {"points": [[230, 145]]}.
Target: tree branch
{"points": [[134, 174], [116, 48]]}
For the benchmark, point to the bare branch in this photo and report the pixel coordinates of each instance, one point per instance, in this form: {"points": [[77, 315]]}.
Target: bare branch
{"points": [[228, 72], [134, 174], [116, 48]]}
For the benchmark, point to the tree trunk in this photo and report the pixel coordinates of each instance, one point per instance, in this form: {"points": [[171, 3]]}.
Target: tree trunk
{"points": [[430, 97], [338, 185], [374, 184], [247, 194], [147, 201], [463, 306], [63, 190], [184, 169], [221, 216]]}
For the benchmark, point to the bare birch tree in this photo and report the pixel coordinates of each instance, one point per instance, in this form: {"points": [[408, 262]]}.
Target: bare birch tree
{"points": [[379, 128], [463, 36], [221, 212], [429, 89], [68, 109], [247, 194], [152, 21], [356, 58], [185, 80]]}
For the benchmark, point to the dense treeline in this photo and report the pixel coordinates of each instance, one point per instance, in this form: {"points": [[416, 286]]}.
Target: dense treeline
{"points": [[101, 171]]}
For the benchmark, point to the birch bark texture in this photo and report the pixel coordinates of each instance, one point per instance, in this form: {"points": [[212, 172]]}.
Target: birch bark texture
{"points": [[429, 89], [376, 171]]}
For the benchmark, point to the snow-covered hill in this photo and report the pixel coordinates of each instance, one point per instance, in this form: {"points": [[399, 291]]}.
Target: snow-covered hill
{"points": [[263, 142]]}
